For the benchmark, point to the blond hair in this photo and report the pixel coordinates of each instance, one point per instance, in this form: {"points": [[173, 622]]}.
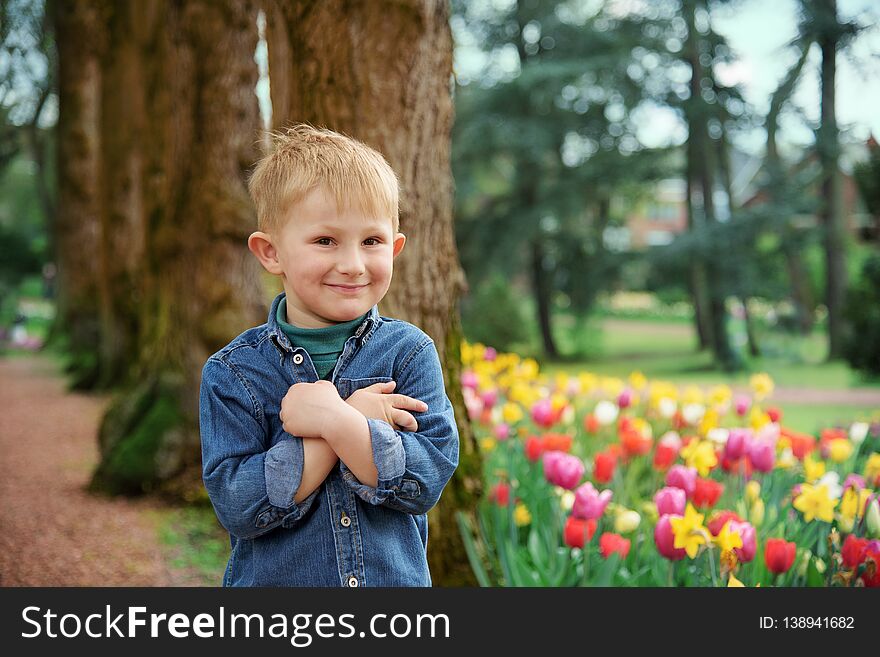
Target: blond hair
{"points": [[303, 157]]}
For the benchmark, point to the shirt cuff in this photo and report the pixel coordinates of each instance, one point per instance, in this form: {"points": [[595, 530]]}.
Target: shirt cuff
{"points": [[390, 460], [283, 467]]}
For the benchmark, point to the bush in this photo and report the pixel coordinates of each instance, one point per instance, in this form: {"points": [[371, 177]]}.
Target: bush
{"points": [[862, 347], [492, 314]]}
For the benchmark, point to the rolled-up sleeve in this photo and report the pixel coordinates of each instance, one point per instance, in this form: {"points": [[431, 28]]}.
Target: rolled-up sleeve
{"points": [[251, 488], [413, 466]]}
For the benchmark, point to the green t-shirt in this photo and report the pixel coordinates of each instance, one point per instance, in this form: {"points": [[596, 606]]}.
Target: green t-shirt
{"points": [[323, 344]]}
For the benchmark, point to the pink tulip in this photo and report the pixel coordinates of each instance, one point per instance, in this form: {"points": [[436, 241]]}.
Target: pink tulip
{"points": [[742, 405], [502, 431], [563, 469], [854, 480], [489, 398], [762, 455], [542, 413], [680, 476], [750, 543], [490, 354], [589, 504], [624, 399], [670, 500], [469, 380], [664, 539], [672, 440], [737, 444]]}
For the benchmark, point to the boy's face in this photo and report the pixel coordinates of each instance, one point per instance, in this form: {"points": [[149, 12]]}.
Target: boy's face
{"points": [[335, 264]]}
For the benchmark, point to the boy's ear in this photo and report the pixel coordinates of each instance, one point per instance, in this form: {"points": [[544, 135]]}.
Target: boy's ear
{"points": [[260, 244], [399, 241]]}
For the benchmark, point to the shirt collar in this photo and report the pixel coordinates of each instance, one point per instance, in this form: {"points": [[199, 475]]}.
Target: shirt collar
{"points": [[281, 340]]}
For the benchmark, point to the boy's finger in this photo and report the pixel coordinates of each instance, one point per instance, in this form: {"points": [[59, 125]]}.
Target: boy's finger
{"points": [[411, 403], [405, 420]]}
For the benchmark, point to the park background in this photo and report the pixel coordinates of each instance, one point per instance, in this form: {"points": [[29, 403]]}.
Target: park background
{"points": [[683, 191]]}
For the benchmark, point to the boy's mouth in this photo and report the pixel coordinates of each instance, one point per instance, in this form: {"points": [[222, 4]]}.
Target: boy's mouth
{"points": [[346, 289]]}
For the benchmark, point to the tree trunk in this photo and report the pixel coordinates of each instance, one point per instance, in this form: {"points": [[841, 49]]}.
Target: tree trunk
{"points": [[381, 72], [831, 213], [79, 37], [197, 288], [543, 300]]}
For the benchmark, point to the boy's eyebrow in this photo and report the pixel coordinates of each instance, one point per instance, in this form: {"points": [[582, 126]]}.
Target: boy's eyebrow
{"points": [[367, 227]]}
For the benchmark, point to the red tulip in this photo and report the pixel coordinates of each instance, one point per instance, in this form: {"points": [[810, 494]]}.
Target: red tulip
{"points": [[853, 551], [871, 576], [534, 448], [664, 539], [774, 414], [634, 442], [576, 530], [664, 457], [610, 543], [719, 519], [557, 442], [750, 542], [591, 424], [603, 467], [779, 555], [500, 494], [707, 492]]}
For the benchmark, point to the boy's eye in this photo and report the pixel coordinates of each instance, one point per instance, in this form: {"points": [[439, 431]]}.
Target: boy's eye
{"points": [[374, 240], [323, 241]]}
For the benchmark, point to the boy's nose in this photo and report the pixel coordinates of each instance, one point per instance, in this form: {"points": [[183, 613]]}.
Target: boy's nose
{"points": [[350, 262]]}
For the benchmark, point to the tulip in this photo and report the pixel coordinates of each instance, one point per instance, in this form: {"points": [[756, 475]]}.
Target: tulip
{"points": [[774, 414], [682, 477], [500, 494], [853, 551], [779, 555], [611, 543], [854, 481], [489, 398], [872, 517], [707, 492], [753, 490], [670, 501], [858, 432], [563, 469], [719, 519], [737, 442], [756, 513], [542, 412], [605, 412], [871, 576], [578, 531], [502, 431], [762, 456], [663, 457], [626, 522], [664, 539], [603, 467], [589, 503], [742, 404], [533, 448], [749, 539], [591, 423], [490, 354], [840, 450]]}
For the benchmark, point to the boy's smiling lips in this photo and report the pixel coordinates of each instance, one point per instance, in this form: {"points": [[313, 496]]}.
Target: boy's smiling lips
{"points": [[347, 289]]}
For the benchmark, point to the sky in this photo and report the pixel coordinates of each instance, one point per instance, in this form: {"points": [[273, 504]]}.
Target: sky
{"points": [[758, 32]]}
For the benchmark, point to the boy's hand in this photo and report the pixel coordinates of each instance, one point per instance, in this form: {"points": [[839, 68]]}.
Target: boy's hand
{"points": [[307, 407], [376, 402]]}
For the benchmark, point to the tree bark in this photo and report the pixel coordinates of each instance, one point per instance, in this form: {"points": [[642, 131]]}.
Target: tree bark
{"points": [[80, 38], [381, 72], [197, 287], [831, 213], [543, 289]]}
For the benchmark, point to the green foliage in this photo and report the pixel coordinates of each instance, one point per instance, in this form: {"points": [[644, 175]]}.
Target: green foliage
{"points": [[494, 316], [196, 542], [862, 348]]}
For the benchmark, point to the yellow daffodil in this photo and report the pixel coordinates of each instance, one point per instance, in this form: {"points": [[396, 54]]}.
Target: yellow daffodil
{"points": [[852, 504], [708, 422], [840, 450], [700, 454], [758, 418], [814, 502], [521, 515], [813, 469], [762, 385], [727, 540], [689, 532], [734, 583]]}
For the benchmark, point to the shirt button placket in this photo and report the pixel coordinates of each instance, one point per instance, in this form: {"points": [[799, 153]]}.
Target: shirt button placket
{"points": [[345, 521]]}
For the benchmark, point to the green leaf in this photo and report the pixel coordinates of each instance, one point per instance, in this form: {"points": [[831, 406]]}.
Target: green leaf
{"points": [[464, 526]]}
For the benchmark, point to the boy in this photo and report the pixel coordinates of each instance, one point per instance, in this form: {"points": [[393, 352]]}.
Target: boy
{"points": [[327, 434]]}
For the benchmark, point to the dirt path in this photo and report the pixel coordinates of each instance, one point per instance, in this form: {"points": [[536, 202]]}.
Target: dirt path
{"points": [[52, 532]]}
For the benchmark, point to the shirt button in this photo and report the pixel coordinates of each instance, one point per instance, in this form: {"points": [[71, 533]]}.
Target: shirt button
{"points": [[353, 582], [345, 521], [298, 359]]}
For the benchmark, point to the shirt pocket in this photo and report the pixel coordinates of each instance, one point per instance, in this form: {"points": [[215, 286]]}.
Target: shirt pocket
{"points": [[347, 387]]}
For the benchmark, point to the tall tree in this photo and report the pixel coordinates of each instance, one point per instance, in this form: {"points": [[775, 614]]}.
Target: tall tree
{"points": [[80, 35], [183, 147], [381, 73]]}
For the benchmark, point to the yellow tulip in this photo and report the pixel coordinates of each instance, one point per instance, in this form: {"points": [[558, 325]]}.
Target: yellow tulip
{"points": [[840, 450]]}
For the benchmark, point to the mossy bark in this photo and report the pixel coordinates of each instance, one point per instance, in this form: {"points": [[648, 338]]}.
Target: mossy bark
{"points": [[381, 72]]}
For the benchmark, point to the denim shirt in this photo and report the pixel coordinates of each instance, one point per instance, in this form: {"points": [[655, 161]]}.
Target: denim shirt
{"points": [[345, 533]]}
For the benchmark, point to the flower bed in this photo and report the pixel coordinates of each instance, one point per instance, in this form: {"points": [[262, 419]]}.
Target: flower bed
{"points": [[597, 481]]}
